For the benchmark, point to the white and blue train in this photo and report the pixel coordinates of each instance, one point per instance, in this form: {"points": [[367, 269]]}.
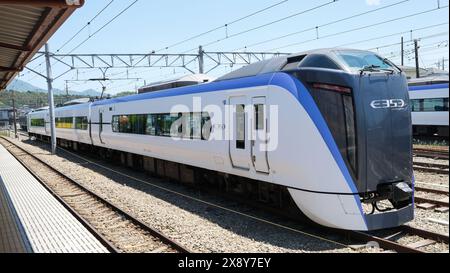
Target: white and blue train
{"points": [[429, 105], [343, 148]]}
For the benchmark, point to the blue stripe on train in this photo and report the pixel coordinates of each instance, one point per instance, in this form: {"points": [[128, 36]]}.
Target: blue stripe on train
{"points": [[428, 87], [283, 80], [302, 95], [260, 80]]}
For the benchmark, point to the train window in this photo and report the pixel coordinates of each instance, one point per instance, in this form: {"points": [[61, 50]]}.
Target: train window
{"points": [[358, 60], [350, 129], [164, 124], [161, 125], [435, 105], [206, 126], [430, 105], [294, 62], [319, 61], [37, 122], [196, 126], [416, 105], [240, 126], [81, 123], [259, 117], [124, 124], [115, 124], [64, 123], [339, 113], [151, 125], [137, 124]]}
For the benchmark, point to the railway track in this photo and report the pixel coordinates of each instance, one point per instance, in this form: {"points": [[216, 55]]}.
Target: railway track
{"points": [[387, 243], [117, 229], [429, 190], [388, 239], [431, 167], [428, 153], [440, 202]]}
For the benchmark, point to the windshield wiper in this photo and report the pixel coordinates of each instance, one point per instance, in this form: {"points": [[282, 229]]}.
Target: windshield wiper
{"points": [[369, 68], [375, 68], [391, 71]]}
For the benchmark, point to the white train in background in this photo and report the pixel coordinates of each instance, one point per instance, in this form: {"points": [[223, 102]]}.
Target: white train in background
{"points": [[430, 105]]}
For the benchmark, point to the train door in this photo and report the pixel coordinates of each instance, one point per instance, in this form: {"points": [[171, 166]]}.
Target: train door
{"points": [[239, 143], [100, 125], [259, 135]]}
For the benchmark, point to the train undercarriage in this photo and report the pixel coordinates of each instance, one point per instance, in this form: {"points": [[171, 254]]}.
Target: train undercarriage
{"points": [[261, 195]]}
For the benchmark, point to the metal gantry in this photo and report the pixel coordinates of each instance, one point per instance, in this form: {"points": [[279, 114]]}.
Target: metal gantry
{"points": [[194, 63]]}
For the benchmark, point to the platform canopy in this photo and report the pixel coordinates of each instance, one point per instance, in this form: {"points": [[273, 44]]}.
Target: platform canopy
{"points": [[25, 26]]}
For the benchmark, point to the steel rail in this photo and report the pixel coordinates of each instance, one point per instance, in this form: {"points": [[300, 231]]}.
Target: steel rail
{"points": [[105, 242], [431, 201], [422, 189], [175, 245], [430, 170], [355, 235], [438, 237], [431, 153], [431, 165]]}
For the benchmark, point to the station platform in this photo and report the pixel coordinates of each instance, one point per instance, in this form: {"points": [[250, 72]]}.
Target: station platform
{"points": [[32, 220]]}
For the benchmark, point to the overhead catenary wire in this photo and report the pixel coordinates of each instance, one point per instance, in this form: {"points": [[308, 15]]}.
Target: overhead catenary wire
{"points": [[97, 31], [423, 48], [361, 28], [85, 26], [226, 25], [267, 24], [223, 26], [78, 32], [104, 26], [323, 25], [397, 3], [410, 31], [409, 43]]}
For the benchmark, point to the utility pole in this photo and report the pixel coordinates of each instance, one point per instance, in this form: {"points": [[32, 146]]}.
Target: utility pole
{"points": [[443, 63], [67, 91], [403, 52], [14, 115], [103, 91], [51, 102], [416, 51], [201, 61]]}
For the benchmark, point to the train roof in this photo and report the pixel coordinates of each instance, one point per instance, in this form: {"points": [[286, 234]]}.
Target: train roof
{"points": [[439, 79], [185, 80], [279, 63]]}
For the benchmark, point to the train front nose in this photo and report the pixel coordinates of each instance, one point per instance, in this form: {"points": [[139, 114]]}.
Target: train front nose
{"points": [[385, 115], [365, 105]]}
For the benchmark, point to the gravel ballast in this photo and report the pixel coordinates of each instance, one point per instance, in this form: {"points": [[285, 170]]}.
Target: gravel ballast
{"points": [[203, 228], [199, 227]]}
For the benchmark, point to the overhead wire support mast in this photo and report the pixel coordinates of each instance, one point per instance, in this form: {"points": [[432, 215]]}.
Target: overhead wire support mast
{"points": [[110, 61], [50, 100]]}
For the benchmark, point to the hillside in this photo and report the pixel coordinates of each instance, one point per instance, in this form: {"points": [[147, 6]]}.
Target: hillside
{"points": [[32, 99], [22, 86], [40, 99]]}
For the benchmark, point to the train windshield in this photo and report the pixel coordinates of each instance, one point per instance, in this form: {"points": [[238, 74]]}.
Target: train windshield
{"points": [[365, 61]]}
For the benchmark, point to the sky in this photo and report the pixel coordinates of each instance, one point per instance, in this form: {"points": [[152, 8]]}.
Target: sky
{"points": [[153, 25]]}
